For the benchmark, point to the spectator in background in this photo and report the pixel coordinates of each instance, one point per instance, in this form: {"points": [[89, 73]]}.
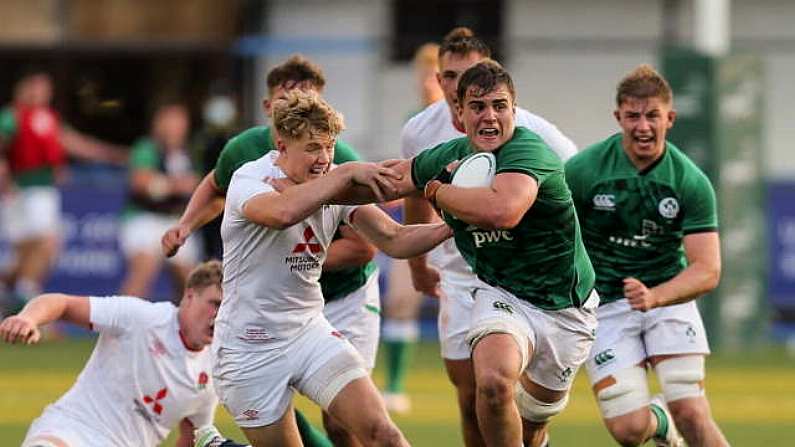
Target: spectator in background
{"points": [[162, 178], [34, 145]]}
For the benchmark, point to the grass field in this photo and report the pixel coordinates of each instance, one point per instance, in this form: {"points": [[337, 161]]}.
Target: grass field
{"points": [[752, 394]]}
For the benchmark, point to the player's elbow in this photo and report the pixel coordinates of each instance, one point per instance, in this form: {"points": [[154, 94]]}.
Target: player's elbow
{"points": [[711, 277], [502, 217]]}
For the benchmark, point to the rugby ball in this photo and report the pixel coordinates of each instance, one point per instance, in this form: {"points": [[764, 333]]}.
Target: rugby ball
{"points": [[475, 171]]}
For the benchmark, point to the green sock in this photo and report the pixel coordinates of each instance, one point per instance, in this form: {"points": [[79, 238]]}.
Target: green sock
{"points": [[310, 436], [662, 421], [398, 357]]}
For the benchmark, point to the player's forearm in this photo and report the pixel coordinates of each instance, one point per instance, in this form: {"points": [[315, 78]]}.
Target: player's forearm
{"points": [[45, 308], [481, 207], [413, 240], [204, 205], [417, 210], [344, 253], [691, 283]]}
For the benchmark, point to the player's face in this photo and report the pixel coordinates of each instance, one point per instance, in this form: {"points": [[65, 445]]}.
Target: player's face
{"points": [[171, 127], [451, 67], [488, 119], [307, 157], [200, 308], [40, 90], [644, 123]]}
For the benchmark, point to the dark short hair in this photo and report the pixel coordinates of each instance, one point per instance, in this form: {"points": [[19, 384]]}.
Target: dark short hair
{"points": [[485, 76], [462, 41], [295, 69]]}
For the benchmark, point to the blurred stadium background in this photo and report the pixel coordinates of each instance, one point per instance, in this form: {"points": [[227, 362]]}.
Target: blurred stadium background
{"points": [[112, 61]]}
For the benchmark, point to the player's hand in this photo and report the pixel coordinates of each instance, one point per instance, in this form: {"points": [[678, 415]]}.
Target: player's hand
{"points": [[639, 296], [426, 279], [173, 239], [17, 329], [375, 176]]}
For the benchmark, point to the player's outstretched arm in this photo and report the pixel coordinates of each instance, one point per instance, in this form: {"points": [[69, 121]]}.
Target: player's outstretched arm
{"points": [[205, 204], [424, 278], [296, 202], [400, 185], [24, 327], [394, 239], [351, 250], [701, 276], [500, 206]]}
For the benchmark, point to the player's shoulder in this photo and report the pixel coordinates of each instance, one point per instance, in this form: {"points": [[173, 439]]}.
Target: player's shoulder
{"points": [[434, 113], [136, 309], [426, 129], [344, 152], [264, 166], [686, 171], [249, 138], [595, 153]]}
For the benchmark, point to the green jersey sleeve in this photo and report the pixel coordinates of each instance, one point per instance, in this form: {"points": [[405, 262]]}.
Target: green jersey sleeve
{"points": [[344, 152], [144, 155], [430, 162], [528, 154], [700, 205], [8, 122]]}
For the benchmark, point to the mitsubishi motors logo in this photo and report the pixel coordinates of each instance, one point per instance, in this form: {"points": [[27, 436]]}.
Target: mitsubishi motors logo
{"points": [[160, 395], [313, 247]]}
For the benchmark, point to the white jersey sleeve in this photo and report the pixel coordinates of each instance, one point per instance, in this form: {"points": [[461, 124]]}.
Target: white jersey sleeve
{"points": [[409, 146], [555, 139], [118, 314], [242, 188]]}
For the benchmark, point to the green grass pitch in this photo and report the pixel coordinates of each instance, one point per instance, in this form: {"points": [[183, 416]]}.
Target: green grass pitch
{"points": [[752, 395]]}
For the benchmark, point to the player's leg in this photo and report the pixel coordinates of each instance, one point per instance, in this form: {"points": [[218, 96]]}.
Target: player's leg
{"points": [[682, 381], [455, 315], [562, 341], [400, 333], [282, 433], [140, 244], [616, 369], [501, 340], [357, 316], [310, 436], [677, 344]]}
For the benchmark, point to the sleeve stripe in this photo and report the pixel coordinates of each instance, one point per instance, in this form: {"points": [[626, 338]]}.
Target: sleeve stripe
{"points": [[695, 230]]}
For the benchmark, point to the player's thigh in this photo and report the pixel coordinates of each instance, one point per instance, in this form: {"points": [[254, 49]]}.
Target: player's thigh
{"points": [[358, 405], [282, 433], [675, 329], [563, 342], [358, 317], [455, 317], [619, 343], [254, 386]]}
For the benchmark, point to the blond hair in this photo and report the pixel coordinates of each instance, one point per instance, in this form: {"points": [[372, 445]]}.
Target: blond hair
{"points": [[305, 113], [643, 82], [205, 275]]}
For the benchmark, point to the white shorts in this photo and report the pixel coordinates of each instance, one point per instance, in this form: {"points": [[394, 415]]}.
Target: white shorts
{"points": [[561, 339], [142, 233], [455, 314], [358, 317], [256, 386], [626, 337], [53, 425], [32, 212]]}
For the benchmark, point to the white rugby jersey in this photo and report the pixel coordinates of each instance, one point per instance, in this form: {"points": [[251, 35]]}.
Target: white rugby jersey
{"points": [[271, 289], [140, 381], [434, 126]]}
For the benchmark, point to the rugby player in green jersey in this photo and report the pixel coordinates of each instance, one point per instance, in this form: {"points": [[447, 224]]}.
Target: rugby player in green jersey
{"points": [[350, 277], [649, 222], [534, 317]]}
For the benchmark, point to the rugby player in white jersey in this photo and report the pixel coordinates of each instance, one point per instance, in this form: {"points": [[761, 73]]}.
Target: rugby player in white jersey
{"points": [[437, 124], [150, 370], [271, 335]]}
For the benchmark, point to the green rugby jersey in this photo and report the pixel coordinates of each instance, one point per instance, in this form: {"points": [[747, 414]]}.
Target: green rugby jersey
{"points": [[251, 145], [633, 221], [542, 260]]}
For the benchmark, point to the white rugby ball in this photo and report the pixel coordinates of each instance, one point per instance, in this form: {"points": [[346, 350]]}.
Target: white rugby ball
{"points": [[475, 171]]}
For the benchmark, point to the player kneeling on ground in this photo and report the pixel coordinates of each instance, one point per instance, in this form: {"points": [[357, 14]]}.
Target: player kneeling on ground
{"points": [[272, 337], [149, 372]]}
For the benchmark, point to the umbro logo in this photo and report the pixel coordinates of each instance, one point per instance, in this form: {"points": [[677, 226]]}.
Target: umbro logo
{"points": [[505, 307], [565, 375], [604, 202], [604, 357]]}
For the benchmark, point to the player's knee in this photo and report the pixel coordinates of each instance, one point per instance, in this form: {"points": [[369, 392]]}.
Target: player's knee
{"points": [[692, 414], [535, 410], [629, 432], [681, 377], [623, 392], [383, 432], [495, 388]]}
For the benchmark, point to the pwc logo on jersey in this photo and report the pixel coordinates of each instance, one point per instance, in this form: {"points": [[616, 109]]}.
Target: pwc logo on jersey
{"points": [[302, 258], [481, 237], [668, 208], [604, 202]]}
